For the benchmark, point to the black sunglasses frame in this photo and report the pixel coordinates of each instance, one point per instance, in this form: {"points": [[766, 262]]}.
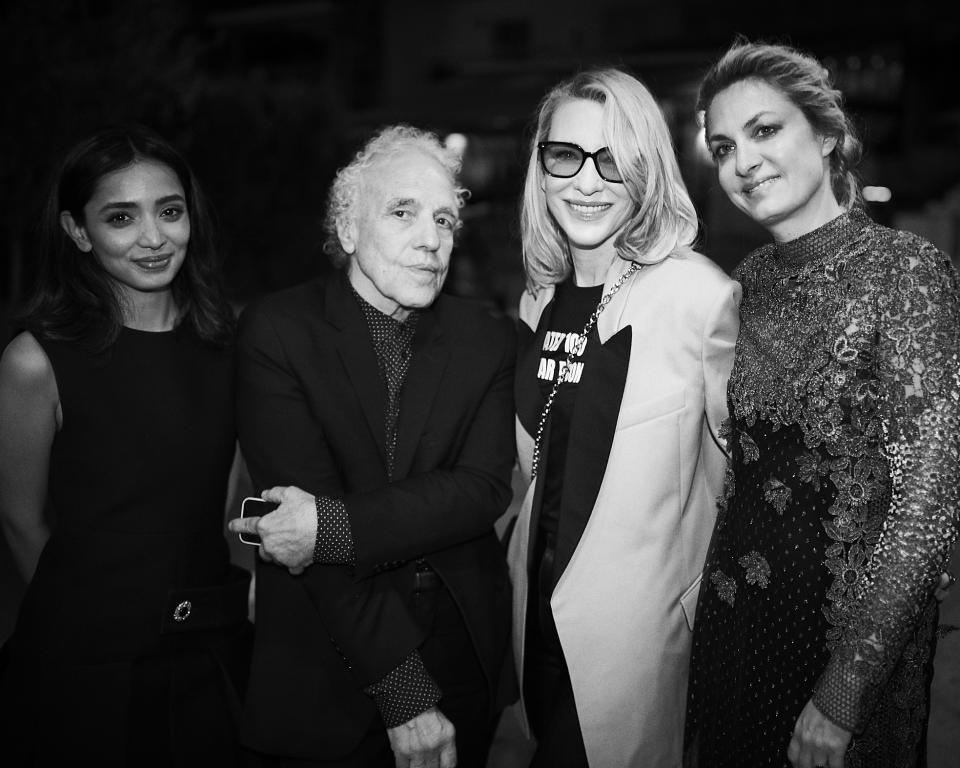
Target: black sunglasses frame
{"points": [[586, 156]]}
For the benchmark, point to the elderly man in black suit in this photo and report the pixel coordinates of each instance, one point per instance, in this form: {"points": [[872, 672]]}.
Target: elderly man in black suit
{"points": [[378, 413]]}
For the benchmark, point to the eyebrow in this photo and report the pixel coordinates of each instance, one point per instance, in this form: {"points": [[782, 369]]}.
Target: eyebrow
{"points": [[398, 202], [395, 202], [746, 126], [125, 206]]}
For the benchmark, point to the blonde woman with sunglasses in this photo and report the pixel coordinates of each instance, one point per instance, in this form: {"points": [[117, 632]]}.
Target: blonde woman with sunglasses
{"points": [[627, 339]]}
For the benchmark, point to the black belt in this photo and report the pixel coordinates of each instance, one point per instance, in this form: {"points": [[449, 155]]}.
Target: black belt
{"points": [[198, 608]]}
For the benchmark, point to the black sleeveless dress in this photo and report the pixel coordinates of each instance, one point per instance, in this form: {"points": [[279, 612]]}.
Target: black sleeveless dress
{"points": [[131, 645]]}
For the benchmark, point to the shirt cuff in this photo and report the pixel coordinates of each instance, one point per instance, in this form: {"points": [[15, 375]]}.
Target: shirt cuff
{"points": [[334, 544], [404, 693]]}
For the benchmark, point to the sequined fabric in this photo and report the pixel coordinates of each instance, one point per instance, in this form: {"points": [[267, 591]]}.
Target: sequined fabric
{"points": [[841, 506]]}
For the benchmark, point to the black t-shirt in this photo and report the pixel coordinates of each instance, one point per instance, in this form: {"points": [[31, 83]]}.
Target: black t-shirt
{"points": [[572, 307]]}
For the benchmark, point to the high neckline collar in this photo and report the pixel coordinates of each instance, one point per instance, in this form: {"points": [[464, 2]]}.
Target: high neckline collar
{"points": [[822, 241]]}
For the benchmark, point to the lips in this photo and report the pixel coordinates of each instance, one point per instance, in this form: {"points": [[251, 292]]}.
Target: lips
{"points": [[759, 186], [154, 263], [588, 210], [426, 274]]}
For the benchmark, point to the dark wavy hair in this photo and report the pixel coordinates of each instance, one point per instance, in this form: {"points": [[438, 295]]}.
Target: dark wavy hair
{"points": [[74, 299], [807, 83]]}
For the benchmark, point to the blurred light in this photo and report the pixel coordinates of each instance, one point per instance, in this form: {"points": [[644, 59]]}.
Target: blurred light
{"points": [[877, 194], [700, 146], [456, 143]]}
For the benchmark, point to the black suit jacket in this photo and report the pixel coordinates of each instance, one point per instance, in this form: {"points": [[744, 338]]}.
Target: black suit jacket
{"points": [[311, 413]]}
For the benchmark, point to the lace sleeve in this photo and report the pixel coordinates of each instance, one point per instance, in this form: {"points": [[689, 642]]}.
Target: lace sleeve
{"points": [[918, 348]]}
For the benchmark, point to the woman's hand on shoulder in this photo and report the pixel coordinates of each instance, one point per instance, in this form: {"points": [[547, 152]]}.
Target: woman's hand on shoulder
{"points": [[817, 741]]}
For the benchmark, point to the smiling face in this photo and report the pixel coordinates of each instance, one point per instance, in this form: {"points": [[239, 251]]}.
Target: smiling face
{"points": [[770, 161], [401, 234], [589, 210], [137, 226]]}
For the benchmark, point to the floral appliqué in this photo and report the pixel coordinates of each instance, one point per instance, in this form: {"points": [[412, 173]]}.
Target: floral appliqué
{"points": [[749, 448], [724, 432], [725, 585], [859, 486], [847, 569], [757, 568], [810, 468], [777, 494]]}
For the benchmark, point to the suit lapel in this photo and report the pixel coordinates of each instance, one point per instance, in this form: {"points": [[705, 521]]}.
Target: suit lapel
{"points": [[592, 427], [355, 349], [427, 364]]}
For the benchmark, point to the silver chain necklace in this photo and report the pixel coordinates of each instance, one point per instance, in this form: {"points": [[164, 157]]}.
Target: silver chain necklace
{"points": [[577, 350]]}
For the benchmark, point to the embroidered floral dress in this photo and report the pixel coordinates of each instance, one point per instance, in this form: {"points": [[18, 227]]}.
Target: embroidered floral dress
{"points": [[841, 505]]}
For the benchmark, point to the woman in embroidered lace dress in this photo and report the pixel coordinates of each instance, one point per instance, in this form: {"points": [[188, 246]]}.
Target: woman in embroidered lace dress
{"points": [[815, 631]]}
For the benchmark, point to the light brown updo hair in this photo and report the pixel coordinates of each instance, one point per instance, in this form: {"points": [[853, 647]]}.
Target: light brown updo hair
{"points": [[808, 84]]}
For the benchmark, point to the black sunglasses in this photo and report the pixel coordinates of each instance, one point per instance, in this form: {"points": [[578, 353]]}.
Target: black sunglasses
{"points": [[564, 160]]}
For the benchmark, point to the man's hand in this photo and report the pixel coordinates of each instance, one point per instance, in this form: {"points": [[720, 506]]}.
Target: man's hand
{"points": [[289, 533], [817, 741], [427, 741]]}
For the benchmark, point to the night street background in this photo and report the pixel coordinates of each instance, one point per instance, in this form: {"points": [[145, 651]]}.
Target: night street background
{"points": [[267, 100]]}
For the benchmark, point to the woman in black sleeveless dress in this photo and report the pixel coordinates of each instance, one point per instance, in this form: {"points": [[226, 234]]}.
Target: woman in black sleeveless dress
{"points": [[116, 405]]}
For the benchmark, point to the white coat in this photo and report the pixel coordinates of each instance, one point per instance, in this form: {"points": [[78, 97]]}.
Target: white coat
{"points": [[645, 453]]}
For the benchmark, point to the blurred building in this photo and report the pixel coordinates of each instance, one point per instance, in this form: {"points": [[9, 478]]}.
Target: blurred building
{"points": [[480, 67], [269, 98]]}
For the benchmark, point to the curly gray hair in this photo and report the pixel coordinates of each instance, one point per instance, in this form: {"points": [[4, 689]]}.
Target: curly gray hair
{"points": [[345, 190]]}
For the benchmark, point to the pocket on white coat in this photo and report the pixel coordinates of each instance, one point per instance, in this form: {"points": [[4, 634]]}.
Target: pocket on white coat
{"points": [[648, 410]]}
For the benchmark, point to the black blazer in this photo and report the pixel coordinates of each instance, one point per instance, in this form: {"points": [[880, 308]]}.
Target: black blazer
{"points": [[311, 413]]}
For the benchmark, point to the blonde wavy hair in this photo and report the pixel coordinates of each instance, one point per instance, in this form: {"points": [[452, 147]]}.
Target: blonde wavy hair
{"points": [[663, 221]]}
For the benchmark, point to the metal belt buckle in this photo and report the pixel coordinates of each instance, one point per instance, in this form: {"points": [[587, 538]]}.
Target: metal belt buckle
{"points": [[425, 578]]}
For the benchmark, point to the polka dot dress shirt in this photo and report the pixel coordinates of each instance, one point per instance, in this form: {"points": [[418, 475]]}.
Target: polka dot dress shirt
{"points": [[409, 689]]}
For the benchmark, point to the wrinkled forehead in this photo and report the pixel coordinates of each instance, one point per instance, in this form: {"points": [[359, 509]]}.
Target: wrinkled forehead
{"points": [[410, 174]]}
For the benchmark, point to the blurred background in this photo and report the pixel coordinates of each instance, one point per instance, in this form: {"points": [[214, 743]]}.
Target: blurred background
{"points": [[268, 99]]}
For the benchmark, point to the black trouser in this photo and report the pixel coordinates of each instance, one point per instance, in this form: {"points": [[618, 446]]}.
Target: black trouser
{"points": [[449, 656], [546, 685]]}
